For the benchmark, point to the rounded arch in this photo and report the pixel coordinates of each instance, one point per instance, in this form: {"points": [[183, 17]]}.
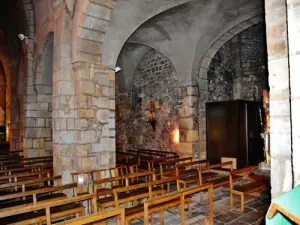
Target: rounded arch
{"points": [[44, 71], [117, 34], [229, 34], [154, 80], [202, 78]]}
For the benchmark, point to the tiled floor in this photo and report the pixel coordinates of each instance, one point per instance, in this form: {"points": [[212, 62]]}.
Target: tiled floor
{"points": [[255, 210]]}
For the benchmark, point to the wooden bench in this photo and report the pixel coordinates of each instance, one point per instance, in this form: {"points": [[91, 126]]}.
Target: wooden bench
{"points": [[110, 200], [24, 176], [21, 169], [243, 189], [188, 172], [104, 187], [98, 218], [154, 188], [167, 201], [47, 181], [220, 179], [21, 199], [46, 211], [199, 189]]}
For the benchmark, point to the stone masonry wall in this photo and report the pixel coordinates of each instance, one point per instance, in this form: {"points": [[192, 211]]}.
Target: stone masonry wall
{"points": [[154, 80], [236, 68], [239, 66]]}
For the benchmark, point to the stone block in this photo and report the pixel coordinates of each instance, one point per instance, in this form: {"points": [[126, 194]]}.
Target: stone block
{"points": [[40, 143], [87, 113], [89, 46], [65, 88], [27, 142], [94, 23], [99, 11], [70, 113], [31, 98], [31, 106], [31, 153], [112, 104], [66, 137], [101, 147], [186, 148], [30, 132], [71, 124], [86, 137], [40, 122], [43, 132], [82, 150], [187, 123], [29, 122], [81, 124], [102, 91], [49, 145], [190, 101], [87, 163], [102, 115], [44, 98], [100, 102], [192, 91], [43, 89], [192, 136], [87, 87], [187, 111], [101, 79]]}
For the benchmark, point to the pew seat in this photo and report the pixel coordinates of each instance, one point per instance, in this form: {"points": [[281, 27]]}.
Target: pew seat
{"points": [[36, 217]]}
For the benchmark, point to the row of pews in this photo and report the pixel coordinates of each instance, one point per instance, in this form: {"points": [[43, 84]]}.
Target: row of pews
{"points": [[144, 183], [191, 172]]}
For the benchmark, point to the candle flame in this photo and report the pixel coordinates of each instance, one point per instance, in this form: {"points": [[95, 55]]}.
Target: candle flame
{"points": [[176, 136]]}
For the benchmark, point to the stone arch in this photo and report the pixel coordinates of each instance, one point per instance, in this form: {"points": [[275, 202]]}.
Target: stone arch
{"points": [[39, 126], [90, 22], [154, 80], [213, 49], [202, 80], [117, 34]]}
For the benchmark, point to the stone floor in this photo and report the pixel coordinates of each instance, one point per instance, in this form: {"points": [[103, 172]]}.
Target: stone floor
{"points": [[255, 210]]}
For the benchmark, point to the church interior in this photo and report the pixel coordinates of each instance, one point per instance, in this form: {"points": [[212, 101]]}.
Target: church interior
{"points": [[149, 112]]}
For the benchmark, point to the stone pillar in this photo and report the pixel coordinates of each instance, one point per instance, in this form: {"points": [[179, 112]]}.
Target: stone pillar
{"points": [[280, 126], [83, 107], [188, 121], [294, 50], [203, 91], [95, 116]]}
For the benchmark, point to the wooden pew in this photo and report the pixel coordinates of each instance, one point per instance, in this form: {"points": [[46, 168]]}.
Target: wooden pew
{"points": [[12, 165], [188, 172], [243, 189], [199, 189], [110, 200], [97, 217], [41, 182], [10, 201], [167, 201], [24, 176], [21, 169], [26, 160], [46, 211], [220, 179], [104, 187], [154, 188]]}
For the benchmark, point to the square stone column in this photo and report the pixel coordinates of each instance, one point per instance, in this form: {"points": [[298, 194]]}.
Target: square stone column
{"points": [[294, 54], [279, 80], [188, 121], [83, 109]]}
